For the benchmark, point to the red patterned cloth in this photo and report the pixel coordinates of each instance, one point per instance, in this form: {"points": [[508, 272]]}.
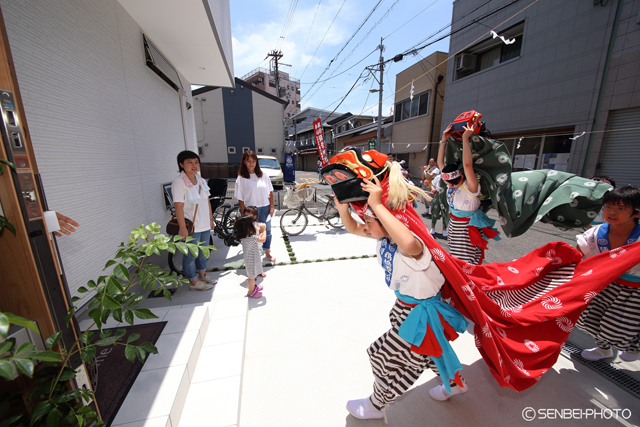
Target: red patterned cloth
{"points": [[523, 310]]}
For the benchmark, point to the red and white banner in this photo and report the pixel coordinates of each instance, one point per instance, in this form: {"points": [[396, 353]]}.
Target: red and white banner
{"points": [[322, 149]]}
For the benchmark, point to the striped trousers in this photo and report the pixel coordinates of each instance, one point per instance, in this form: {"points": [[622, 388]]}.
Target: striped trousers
{"points": [[613, 318], [395, 367], [460, 245]]}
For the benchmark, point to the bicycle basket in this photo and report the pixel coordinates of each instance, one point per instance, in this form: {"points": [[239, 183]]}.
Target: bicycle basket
{"points": [[294, 198]]}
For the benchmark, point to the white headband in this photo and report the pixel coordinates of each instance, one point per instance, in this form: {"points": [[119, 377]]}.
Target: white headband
{"points": [[451, 175]]}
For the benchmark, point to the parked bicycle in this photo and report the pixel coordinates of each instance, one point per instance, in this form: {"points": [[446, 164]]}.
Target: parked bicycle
{"points": [[295, 220], [224, 218]]}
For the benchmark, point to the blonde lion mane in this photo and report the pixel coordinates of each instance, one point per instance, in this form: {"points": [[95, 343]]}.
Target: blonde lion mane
{"points": [[401, 191]]}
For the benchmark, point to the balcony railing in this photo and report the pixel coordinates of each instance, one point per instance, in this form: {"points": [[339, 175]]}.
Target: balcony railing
{"points": [[283, 76]]}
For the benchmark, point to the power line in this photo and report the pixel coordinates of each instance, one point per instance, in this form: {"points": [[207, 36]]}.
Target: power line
{"points": [[325, 35], [345, 45], [306, 41], [287, 24], [385, 15], [333, 77], [420, 13]]}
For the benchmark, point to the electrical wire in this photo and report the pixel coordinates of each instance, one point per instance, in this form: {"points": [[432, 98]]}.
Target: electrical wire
{"points": [[287, 24], [325, 35], [306, 41]]}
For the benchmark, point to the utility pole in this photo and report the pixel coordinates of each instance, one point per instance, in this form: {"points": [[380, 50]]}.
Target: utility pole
{"points": [[378, 140], [276, 55]]}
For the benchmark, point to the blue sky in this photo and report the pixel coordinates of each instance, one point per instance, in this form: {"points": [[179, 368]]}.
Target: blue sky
{"points": [[257, 28]]}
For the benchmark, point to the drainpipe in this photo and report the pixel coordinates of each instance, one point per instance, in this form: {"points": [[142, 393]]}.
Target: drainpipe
{"points": [[605, 73], [433, 113]]}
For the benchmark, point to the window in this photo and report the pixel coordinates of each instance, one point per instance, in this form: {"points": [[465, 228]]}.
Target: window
{"points": [[245, 149], [409, 108], [490, 52], [274, 151], [160, 65], [259, 150], [201, 151], [231, 150]]}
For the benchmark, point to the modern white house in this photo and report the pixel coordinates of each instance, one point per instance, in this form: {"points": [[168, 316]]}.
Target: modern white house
{"points": [[106, 89]]}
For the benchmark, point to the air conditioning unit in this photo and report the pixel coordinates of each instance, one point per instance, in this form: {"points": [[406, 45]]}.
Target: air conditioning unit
{"points": [[465, 62]]}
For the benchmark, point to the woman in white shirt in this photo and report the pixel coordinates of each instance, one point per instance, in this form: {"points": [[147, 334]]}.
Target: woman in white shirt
{"points": [[253, 188], [189, 191]]}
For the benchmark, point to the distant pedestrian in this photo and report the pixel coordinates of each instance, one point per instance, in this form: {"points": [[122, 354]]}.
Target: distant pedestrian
{"points": [[429, 172], [436, 209], [246, 232]]}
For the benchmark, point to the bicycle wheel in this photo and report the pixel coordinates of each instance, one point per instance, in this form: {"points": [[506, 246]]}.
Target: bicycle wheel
{"points": [[335, 221], [230, 219], [175, 261], [293, 222]]}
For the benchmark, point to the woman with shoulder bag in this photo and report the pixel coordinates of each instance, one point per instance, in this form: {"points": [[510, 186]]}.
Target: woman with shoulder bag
{"points": [[190, 194]]}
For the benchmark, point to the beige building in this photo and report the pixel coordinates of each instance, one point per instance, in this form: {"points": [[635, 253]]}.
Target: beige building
{"points": [[416, 122], [289, 87]]}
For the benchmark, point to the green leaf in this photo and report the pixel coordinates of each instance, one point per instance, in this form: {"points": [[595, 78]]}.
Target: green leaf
{"points": [[110, 263], [148, 346], [194, 250], [117, 315], [53, 339], [205, 251], [130, 353], [87, 354], [83, 290], [21, 321], [182, 247], [132, 337], [39, 410], [144, 313], [105, 342], [110, 303], [141, 354], [128, 317], [4, 326], [105, 316], [120, 333], [114, 286], [67, 374], [6, 346], [26, 347], [95, 315], [25, 366], [135, 301], [121, 272], [6, 369], [106, 333], [86, 338], [53, 418], [91, 284], [101, 279], [149, 250], [47, 356]]}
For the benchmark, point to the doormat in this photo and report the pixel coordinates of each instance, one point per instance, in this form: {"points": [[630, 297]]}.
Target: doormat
{"points": [[115, 374]]}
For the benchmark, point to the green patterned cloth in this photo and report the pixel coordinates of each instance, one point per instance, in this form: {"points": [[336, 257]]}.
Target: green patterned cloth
{"points": [[522, 198]]}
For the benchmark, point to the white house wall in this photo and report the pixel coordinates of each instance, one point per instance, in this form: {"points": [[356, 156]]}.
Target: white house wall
{"points": [[213, 131], [268, 127], [105, 129]]}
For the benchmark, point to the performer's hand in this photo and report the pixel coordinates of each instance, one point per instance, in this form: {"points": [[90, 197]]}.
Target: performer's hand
{"points": [[468, 131], [446, 134], [375, 191], [342, 207]]}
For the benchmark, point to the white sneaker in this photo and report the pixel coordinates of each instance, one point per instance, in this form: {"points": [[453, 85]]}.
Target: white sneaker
{"points": [[440, 393], [200, 286], [363, 409], [597, 353], [208, 280], [433, 231], [444, 233], [628, 356]]}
